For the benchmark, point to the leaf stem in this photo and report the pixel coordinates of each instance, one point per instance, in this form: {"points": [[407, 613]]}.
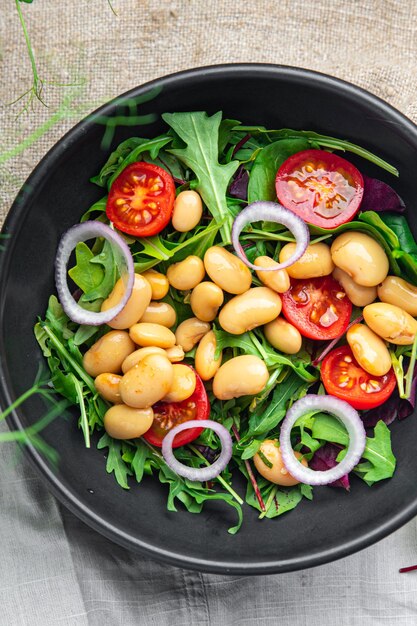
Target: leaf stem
{"points": [[27, 433], [271, 496], [84, 420], [410, 372], [25, 396], [251, 474], [397, 364], [37, 83], [64, 353], [258, 345]]}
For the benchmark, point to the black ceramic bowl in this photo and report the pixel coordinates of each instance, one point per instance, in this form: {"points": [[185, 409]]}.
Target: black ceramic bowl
{"points": [[335, 524]]}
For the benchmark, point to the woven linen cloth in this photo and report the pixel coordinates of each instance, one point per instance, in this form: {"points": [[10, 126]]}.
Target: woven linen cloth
{"points": [[53, 568]]}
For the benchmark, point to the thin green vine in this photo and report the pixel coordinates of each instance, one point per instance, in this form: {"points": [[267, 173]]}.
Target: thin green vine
{"points": [[35, 92]]}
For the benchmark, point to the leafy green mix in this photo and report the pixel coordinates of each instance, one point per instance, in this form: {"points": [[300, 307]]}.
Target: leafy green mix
{"points": [[203, 153]]}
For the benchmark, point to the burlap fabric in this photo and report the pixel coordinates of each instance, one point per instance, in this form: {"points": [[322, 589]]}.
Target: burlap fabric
{"points": [[53, 569]]}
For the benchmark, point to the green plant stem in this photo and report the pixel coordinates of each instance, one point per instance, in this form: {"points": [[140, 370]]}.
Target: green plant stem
{"points": [[200, 456], [397, 364], [84, 418], [37, 83], [271, 496], [219, 477], [266, 236], [27, 433], [67, 356], [258, 345], [251, 475], [112, 8], [25, 396], [410, 372]]}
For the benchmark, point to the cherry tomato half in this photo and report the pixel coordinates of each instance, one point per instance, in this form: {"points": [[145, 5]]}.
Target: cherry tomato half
{"points": [[141, 200], [318, 307], [344, 378], [170, 414], [321, 187]]}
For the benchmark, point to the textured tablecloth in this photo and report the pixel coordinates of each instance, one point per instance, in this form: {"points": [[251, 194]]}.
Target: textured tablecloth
{"points": [[53, 569]]}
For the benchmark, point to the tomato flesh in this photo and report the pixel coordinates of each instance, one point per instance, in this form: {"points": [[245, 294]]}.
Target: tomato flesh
{"points": [[321, 187], [141, 199], [170, 414], [344, 378], [318, 307]]}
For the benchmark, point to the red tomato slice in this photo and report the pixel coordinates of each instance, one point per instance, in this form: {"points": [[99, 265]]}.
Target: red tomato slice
{"points": [[141, 200], [321, 187], [344, 378], [318, 307], [170, 414]]}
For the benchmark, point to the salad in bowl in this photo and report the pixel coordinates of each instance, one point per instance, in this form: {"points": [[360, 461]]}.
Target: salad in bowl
{"points": [[241, 301]]}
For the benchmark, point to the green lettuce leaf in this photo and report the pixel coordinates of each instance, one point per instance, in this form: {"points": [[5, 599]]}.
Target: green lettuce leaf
{"points": [[200, 133]]}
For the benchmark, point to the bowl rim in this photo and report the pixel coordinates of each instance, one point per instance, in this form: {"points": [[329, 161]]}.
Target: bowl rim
{"points": [[15, 219]]}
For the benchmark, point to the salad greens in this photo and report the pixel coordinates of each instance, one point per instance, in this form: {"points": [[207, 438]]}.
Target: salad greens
{"points": [[205, 153]]}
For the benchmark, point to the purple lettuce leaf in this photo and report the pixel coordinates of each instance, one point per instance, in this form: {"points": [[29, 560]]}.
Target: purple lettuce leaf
{"points": [[325, 458], [239, 186], [386, 412], [380, 197], [394, 408]]}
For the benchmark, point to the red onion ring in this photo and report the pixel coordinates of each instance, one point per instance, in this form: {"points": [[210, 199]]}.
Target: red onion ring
{"points": [[271, 212], [76, 234], [202, 473], [349, 418]]}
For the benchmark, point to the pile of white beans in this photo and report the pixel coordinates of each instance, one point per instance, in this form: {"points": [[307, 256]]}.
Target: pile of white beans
{"points": [[138, 363]]}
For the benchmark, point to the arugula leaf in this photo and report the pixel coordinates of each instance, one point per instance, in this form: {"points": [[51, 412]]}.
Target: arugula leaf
{"points": [[299, 362], [226, 129], [169, 163], [116, 157], [307, 491], [63, 382], [86, 275], [58, 319], [115, 462], [97, 207], [249, 343], [106, 261], [306, 440], [193, 495], [329, 428], [378, 452], [269, 414], [155, 249], [250, 450], [380, 461], [139, 459], [279, 500], [269, 159], [242, 342], [153, 146], [200, 133], [128, 152], [42, 339], [84, 332]]}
